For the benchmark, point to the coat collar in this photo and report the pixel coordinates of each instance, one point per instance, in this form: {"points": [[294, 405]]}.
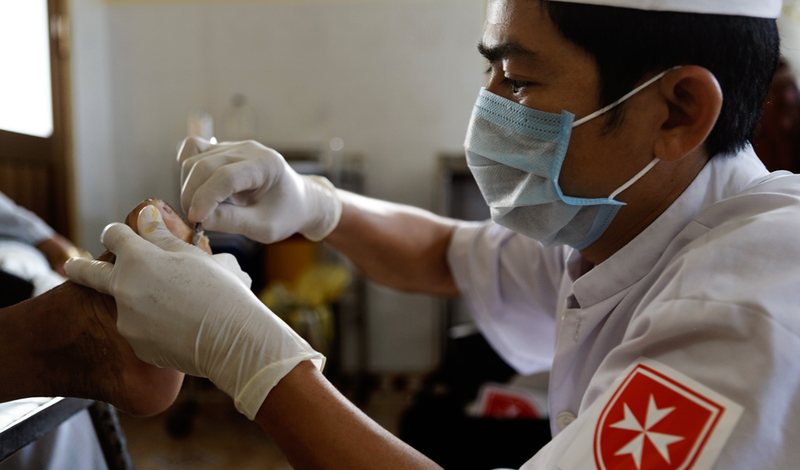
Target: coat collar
{"points": [[722, 177]]}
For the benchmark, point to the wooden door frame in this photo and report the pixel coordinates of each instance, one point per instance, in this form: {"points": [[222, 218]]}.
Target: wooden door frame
{"points": [[64, 216]]}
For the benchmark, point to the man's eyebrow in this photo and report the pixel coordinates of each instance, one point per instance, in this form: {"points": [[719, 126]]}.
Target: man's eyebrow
{"points": [[506, 50]]}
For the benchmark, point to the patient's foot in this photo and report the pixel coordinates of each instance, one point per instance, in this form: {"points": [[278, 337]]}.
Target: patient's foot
{"points": [[84, 330], [65, 343], [172, 220], [140, 388]]}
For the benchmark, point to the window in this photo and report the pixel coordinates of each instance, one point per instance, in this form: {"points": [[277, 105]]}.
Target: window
{"points": [[25, 88]]}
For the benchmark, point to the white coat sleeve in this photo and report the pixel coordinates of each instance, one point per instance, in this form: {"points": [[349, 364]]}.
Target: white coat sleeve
{"points": [[18, 223], [706, 374], [510, 284], [713, 383]]}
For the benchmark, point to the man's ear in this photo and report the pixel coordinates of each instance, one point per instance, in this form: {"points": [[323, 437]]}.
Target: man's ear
{"points": [[694, 100]]}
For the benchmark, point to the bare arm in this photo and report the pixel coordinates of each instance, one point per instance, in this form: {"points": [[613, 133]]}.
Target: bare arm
{"points": [[399, 246], [318, 428]]}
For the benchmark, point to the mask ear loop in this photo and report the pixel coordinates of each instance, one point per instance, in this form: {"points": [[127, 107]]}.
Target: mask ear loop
{"points": [[626, 97], [613, 105], [635, 178]]}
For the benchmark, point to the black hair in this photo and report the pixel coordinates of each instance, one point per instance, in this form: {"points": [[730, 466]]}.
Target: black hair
{"points": [[630, 45]]}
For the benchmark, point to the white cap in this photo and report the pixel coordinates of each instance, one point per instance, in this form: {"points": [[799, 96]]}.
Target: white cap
{"points": [[753, 8]]}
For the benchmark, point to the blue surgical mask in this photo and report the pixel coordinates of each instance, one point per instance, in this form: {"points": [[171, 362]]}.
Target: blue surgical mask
{"points": [[516, 153]]}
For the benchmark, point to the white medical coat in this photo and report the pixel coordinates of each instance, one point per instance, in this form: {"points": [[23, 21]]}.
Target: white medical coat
{"points": [[708, 294]]}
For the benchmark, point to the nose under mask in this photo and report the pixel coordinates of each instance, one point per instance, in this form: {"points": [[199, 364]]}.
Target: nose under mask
{"points": [[516, 153]]}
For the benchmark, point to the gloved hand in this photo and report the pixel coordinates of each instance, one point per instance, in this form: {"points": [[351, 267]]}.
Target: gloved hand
{"points": [[247, 188], [180, 308]]}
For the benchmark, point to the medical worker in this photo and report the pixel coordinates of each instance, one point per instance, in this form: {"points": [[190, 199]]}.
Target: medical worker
{"points": [[638, 249]]}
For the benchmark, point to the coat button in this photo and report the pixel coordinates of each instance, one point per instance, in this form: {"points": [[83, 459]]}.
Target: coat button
{"points": [[564, 419]]}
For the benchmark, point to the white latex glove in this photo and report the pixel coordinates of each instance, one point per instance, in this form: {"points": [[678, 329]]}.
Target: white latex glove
{"points": [[247, 188], [180, 308]]}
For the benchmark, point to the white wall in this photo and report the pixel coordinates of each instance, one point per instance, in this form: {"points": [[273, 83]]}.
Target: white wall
{"points": [[395, 79], [95, 176]]}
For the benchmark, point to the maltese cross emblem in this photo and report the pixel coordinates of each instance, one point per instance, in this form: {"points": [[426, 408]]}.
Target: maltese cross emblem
{"points": [[654, 422]]}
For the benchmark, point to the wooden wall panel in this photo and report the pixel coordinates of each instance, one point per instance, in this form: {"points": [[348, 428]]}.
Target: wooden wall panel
{"points": [[28, 183]]}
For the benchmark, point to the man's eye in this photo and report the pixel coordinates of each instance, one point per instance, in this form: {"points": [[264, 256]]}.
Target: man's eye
{"points": [[517, 85]]}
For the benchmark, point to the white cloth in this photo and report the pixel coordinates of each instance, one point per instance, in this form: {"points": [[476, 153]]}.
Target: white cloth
{"points": [[72, 445], [754, 8], [26, 262], [710, 290], [18, 223]]}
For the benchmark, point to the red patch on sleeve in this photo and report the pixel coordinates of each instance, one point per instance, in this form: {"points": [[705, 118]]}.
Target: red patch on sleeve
{"points": [[653, 421]]}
